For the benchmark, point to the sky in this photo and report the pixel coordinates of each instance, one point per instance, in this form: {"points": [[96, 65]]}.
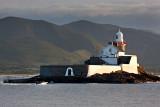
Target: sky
{"points": [[140, 14]]}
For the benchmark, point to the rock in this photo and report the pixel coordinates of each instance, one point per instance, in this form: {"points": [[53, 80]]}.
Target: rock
{"points": [[114, 77], [123, 77]]}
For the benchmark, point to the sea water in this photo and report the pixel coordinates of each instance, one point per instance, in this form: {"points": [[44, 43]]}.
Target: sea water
{"points": [[80, 95]]}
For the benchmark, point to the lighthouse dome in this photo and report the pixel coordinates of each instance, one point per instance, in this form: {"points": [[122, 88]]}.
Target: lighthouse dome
{"points": [[119, 36], [119, 33]]}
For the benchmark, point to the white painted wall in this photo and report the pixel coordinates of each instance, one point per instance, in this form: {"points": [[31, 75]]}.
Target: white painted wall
{"points": [[133, 60], [119, 36], [132, 66], [129, 68], [100, 69], [121, 53]]}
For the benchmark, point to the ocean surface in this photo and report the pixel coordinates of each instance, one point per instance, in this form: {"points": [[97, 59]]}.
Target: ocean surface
{"points": [[79, 95]]}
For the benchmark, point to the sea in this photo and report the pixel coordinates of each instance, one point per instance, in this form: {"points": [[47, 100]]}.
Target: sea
{"points": [[79, 95]]}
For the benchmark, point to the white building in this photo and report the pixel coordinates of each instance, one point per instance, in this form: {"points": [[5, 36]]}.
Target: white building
{"points": [[110, 59], [114, 58]]}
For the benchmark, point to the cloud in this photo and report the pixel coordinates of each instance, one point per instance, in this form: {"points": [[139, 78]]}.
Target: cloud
{"points": [[124, 12], [78, 7]]}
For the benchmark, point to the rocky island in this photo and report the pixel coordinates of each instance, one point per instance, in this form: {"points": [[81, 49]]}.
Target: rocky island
{"points": [[117, 77], [111, 65]]}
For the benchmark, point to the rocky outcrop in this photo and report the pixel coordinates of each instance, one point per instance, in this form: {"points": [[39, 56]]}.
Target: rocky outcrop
{"points": [[124, 77], [117, 77]]}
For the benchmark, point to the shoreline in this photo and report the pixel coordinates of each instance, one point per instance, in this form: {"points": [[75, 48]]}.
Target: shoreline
{"points": [[118, 77]]}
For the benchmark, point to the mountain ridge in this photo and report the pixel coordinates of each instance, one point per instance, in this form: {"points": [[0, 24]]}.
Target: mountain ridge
{"points": [[35, 42]]}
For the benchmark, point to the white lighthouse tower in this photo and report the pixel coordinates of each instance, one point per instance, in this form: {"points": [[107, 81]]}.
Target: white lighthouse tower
{"points": [[114, 49], [119, 43], [114, 58]]}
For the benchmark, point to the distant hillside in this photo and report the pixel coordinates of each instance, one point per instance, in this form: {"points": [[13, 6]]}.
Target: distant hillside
{"points": [[30, 43], [145, 44]]}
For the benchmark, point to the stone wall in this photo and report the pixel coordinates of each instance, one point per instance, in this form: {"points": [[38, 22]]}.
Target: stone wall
{"points": [[63, 70]]}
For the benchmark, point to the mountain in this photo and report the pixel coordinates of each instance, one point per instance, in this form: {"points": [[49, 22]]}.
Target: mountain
{"points": [[140, 42], [26, 43]]}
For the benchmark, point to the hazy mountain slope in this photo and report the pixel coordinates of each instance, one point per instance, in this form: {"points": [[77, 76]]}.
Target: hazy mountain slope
{"points": [[29, 42], [102, 32], [32, 52], [26, 42], [60, 36], [142, 43]]}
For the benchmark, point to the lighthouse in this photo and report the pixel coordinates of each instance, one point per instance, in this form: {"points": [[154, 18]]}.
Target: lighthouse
{"points": [[119, 43], [111, 58], [114, 49]]}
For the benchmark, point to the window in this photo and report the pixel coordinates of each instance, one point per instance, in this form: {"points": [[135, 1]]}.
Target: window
{"points": [[116, 37]]}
